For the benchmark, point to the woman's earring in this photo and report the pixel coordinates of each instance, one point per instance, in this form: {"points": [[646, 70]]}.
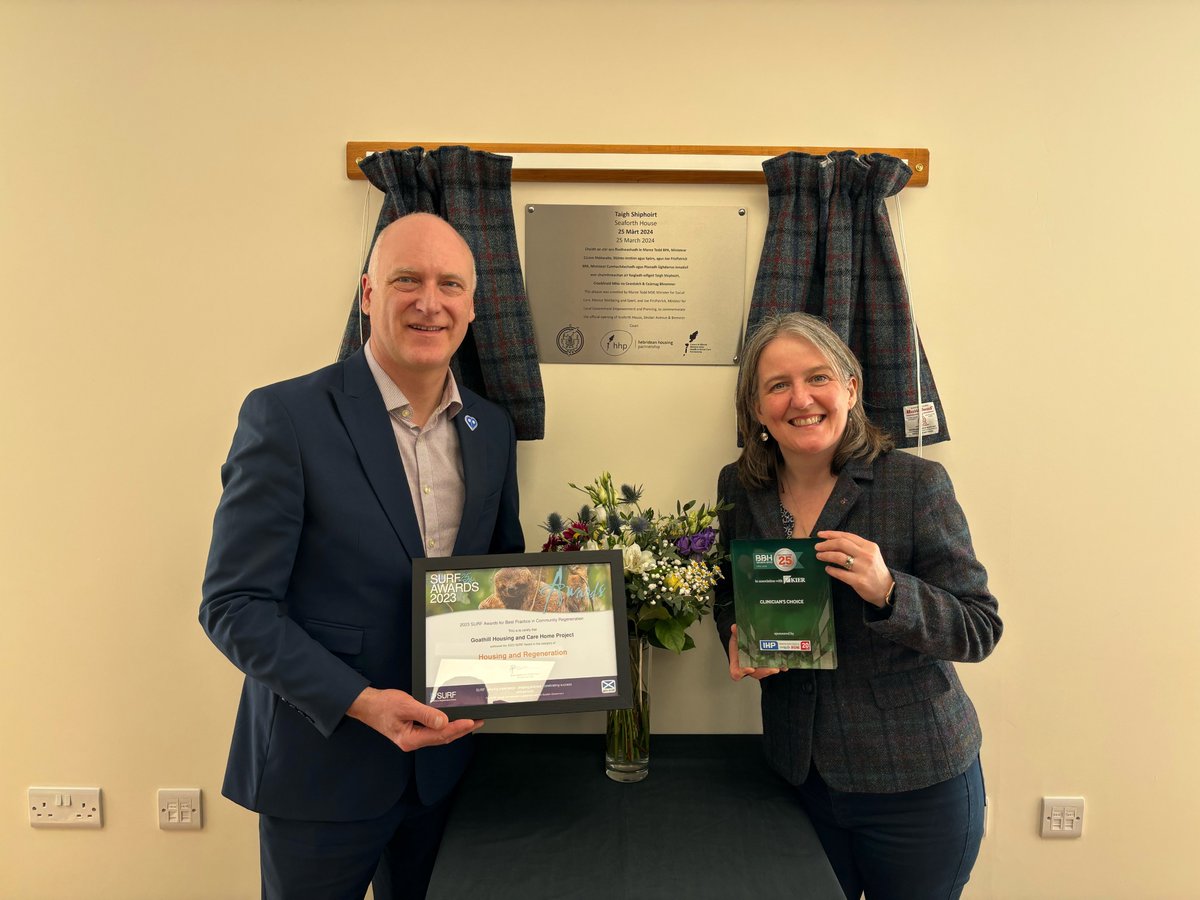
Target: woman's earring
{"points": [[764, 435]]}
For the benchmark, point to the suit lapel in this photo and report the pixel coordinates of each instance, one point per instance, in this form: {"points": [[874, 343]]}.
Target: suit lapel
{"points": [[472, 442], [764, 512], [362, 412], [845, 494], [763, 503]]}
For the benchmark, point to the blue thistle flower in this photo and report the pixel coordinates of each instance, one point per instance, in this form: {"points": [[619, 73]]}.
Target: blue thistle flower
{"points": [[614, 521], [585, 514], [639, 525], [631, 494], [554, 523]]}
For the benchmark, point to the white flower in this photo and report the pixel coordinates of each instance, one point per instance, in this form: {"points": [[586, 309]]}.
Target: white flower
{"points": [[590, 545], [637, 560]]}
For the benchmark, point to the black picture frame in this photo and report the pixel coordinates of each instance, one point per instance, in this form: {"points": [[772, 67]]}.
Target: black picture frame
{"points": [[519, 631]]}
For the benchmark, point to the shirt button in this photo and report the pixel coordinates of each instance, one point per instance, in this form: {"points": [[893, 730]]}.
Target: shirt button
{"points": [[430, 543], [427, 489], [406, 413]]}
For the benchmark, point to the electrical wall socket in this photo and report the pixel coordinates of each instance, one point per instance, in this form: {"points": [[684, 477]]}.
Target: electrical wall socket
{"points": [[179, 809], [1062, 817], [64, 807]]}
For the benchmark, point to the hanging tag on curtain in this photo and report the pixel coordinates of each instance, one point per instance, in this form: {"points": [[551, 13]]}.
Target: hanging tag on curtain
{"points": [[927, 420]]}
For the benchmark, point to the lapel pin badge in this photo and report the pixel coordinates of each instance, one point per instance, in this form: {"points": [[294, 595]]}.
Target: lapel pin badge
{"points": [[471, 421]]}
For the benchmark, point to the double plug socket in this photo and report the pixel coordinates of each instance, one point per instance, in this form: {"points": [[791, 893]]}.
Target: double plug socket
{"points": [[64, 807]]}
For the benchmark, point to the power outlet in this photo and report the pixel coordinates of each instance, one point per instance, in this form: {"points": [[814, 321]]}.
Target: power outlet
{"points": [[179, 809], [64, 807], [1062, 817]]}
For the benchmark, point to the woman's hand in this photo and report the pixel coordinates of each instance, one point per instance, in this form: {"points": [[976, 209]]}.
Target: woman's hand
{"points": [[857, 562], [738, 672]]}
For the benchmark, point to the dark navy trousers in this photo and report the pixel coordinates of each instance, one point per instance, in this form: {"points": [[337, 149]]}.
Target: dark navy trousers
{"points": [[913, 845], [337, 860]]}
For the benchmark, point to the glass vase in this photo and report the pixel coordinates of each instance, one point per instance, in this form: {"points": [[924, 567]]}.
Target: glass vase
{"points": [[627, 736]]}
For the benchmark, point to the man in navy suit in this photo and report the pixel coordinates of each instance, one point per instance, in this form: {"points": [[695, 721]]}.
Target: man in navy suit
{"points": [[335, 482]]}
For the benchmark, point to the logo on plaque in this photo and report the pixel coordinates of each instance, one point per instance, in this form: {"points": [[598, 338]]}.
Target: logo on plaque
{"points": [[569, 341], [616, 342]]}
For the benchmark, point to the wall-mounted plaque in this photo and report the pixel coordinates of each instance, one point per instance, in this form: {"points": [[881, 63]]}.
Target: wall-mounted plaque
{"points": [[632, 284]]}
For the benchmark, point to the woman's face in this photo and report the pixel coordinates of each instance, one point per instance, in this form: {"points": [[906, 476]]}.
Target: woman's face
{"points": [[800, 400]]}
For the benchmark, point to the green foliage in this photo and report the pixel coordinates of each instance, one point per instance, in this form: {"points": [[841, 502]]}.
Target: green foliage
{"points": [[671, 562]]}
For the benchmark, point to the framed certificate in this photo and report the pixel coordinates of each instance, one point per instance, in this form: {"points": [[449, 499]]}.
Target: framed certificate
{"points": [[521, 634]]}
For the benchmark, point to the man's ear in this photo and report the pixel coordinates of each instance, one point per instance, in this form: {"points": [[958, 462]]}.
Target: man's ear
{"points": [[364, 302]]}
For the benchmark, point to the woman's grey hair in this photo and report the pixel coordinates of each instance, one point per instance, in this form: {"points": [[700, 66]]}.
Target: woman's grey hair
{"points": [[759, 460]]}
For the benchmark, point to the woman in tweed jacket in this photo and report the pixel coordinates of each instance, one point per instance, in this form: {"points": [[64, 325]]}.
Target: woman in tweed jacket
{"points": [[884, 749]]}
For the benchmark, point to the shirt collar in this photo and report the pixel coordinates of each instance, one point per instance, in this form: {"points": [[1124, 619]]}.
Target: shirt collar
{"points": [[394, 399]]}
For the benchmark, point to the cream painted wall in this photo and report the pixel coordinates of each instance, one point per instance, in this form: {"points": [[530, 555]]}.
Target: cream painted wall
{"points": [[176, 229]]}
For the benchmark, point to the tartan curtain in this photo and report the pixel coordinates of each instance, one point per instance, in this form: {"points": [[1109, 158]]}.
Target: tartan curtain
{"points": [[829, 252], [472, 190]]}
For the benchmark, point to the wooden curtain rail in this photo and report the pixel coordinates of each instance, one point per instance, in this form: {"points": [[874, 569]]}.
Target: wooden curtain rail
{"points": [[916, 157]]}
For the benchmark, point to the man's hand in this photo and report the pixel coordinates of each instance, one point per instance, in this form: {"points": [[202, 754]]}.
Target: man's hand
{"points": [[407, 722]]}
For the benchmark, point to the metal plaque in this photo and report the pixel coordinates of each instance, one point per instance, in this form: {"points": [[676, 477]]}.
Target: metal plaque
{"points": [[636, 284]]}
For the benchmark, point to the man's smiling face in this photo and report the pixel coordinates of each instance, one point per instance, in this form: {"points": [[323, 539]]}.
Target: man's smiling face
{"points": [[420, 294]]}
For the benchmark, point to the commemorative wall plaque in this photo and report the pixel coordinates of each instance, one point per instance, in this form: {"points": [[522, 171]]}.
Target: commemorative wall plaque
{"points": [[636, 284]]}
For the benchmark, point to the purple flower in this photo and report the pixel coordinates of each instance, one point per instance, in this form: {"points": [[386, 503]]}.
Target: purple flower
{"points": [[694, 546], [701, 543]]}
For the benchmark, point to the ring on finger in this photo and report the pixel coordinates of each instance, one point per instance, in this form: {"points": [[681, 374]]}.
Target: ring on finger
{"points": [[849, 563]]}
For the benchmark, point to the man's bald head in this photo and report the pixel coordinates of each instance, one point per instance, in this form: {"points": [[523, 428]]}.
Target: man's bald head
{"points": [[414, 225]]}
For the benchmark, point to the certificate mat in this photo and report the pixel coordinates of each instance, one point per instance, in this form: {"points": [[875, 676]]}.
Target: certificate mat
{"points": [[521, 634], [783, 604]]}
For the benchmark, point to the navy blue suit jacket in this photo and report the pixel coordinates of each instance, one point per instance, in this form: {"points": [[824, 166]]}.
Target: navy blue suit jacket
{"points": [[308, 588]]}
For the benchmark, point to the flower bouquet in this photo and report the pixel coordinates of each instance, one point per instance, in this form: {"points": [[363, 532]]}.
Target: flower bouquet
{"points": [[671, 563]]}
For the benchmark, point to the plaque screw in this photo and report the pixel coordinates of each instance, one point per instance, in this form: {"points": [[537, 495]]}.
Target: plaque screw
{"points": [[742, 211], [920, 167], [529, 209]]}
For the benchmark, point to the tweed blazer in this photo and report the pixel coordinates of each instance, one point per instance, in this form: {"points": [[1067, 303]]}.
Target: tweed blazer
{"points": [[893, 715]]}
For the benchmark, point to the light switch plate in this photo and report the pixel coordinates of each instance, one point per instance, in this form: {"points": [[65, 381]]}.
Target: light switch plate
{"points": [[179, 809], [1062, 817]]}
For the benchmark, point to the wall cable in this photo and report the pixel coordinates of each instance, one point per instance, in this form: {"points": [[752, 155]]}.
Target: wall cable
{"points": [[362, 255], [912, 314]]}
